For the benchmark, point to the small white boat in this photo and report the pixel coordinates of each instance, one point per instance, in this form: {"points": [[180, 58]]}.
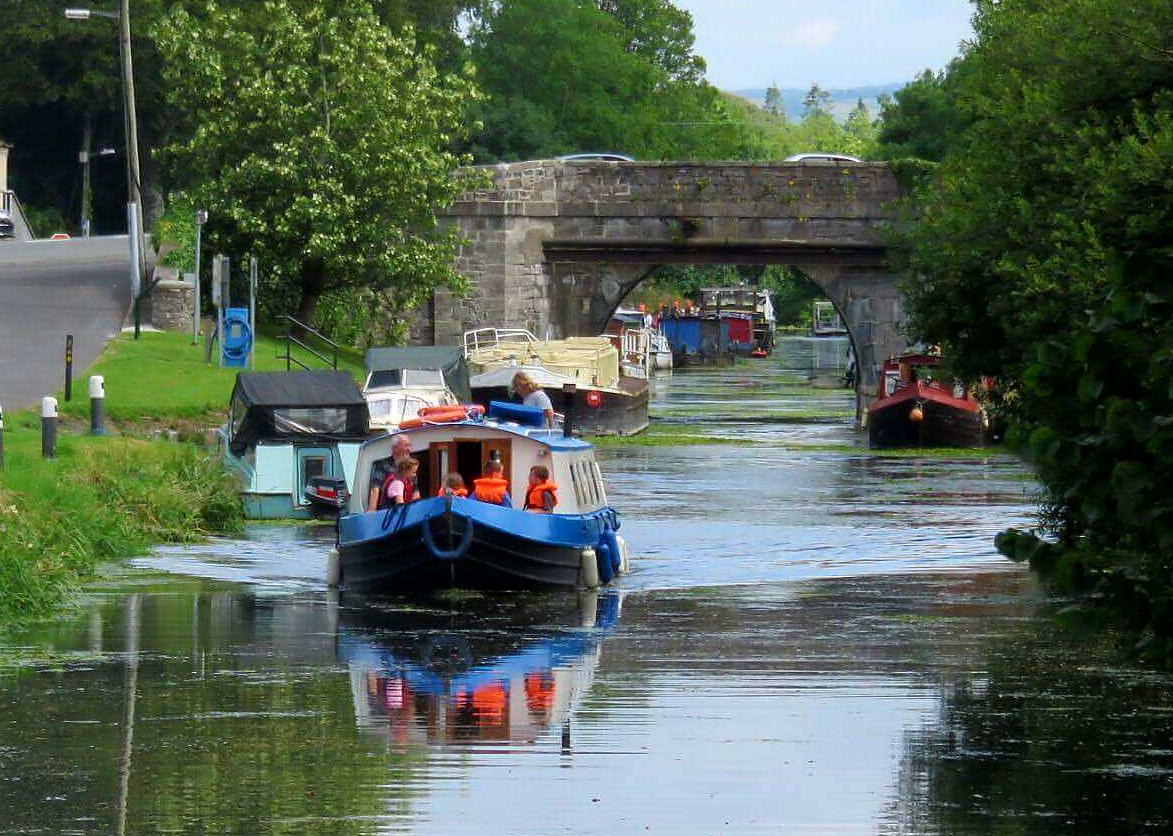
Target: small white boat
{"points": [[402, 381]]}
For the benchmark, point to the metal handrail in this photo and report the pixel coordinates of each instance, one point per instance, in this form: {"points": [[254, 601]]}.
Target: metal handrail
{"points": [[291, 341]]}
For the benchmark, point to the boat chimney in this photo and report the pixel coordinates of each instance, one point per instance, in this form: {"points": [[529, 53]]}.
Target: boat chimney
{"points": [[568, 390]]}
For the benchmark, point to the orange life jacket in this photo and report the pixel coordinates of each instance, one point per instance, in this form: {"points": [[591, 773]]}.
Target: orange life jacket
{"points": [[533, 499], [461, 492], [490, 489]]}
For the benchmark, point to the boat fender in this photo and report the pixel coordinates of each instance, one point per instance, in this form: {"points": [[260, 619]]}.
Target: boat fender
{"points": [[603, 562], [588, 573], [624, 556], [612, 541], [411, 423], [334, 569], [461, 548]]}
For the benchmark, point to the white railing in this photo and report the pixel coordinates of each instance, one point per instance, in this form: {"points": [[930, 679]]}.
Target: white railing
{"points": [[481, 339], [635, 358]]}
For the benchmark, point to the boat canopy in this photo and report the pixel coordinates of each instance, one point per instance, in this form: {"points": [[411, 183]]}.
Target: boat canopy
{"points": [[443, 358], [313, 405]]}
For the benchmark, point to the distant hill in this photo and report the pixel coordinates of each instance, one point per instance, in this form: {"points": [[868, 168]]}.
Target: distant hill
{"points": [[842, 101]]}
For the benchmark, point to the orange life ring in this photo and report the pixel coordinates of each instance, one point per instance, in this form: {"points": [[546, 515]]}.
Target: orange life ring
{"points": [[450, 412], [411, 423]]}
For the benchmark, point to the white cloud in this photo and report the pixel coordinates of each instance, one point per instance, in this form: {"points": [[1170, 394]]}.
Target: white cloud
{"points": [[811, 34]]}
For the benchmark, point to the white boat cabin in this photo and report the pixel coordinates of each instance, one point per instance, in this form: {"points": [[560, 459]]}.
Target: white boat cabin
{"points": [[402, 381], [466, 448]]}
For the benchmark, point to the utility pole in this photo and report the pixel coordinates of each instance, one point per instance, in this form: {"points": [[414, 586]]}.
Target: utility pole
{"points": [[132, 168], [84, 157]]}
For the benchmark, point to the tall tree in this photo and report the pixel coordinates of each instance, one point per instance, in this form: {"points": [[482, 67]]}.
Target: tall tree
{"points": [[322, 147], [573, 75], [816, 102], [775, 105], [921, 120], [1039, 252]]}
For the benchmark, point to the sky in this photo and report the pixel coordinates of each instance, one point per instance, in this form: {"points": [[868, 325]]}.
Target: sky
{"points": [[837, 43]]}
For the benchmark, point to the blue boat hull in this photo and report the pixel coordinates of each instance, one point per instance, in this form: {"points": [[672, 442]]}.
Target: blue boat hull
{"points": [[463, 543]]}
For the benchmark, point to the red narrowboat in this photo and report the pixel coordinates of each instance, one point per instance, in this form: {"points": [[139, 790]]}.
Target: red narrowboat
{"points": [[913, 408]]}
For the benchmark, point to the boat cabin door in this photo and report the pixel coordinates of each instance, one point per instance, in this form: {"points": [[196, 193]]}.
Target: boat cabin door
{"points": [[311, 462], [468, 458]]}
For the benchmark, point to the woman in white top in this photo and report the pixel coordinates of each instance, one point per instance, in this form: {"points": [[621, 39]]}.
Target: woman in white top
{"points": [[532, 395]]}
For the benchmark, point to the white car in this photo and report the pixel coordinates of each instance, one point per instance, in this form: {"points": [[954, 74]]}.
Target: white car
{"points": [[832, 158], [7, 227]]}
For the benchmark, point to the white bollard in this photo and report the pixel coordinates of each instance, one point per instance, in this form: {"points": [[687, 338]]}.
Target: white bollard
{"points": [[97, 405], [48, 427]]}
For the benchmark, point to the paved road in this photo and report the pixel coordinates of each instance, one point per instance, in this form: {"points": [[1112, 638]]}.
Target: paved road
{"points": [[49, 289]]}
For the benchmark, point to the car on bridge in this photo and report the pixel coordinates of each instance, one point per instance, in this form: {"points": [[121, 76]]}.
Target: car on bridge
{"points": [[595, 156], [7, 227], [833, 158]]}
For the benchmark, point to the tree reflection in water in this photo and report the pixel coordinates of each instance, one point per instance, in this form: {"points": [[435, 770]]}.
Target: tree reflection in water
{"points": [[1054, 737]]}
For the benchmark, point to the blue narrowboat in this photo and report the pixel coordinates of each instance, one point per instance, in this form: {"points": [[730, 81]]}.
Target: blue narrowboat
{"points": [[698, 340], [449, 541]]}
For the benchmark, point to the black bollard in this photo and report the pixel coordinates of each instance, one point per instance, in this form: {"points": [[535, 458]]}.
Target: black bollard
{"points": [[68, 367], [568, 390], [48, 428], [97, 405]]}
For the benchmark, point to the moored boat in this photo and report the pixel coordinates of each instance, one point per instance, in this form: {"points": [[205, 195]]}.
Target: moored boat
{"points": [[292, 439], [447, 541], [402, 381], [605, 401], [915, 409]]}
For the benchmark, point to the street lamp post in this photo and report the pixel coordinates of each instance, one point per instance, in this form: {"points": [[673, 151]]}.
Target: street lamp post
{"points": [[133, 181], [201, 218], [84, 157]]}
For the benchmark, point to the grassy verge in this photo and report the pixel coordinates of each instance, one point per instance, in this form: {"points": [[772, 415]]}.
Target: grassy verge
{"points": [[103, 498], [163, 377]]}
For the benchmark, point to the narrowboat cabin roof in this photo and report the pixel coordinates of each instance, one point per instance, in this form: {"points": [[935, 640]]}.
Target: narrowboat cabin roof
{"points": [[293, 406]]}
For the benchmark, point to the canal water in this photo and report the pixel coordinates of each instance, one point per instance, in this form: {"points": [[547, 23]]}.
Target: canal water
{"points": [[814, 639]]}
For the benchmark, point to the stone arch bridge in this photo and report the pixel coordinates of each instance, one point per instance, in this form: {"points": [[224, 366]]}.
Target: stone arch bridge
{"points": [[555, 246]]}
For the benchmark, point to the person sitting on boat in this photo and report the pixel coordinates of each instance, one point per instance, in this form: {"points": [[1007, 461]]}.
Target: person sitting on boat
{"points": [[453, 486], [492, 488], [532, 395], [399, 487], [542, 495]]}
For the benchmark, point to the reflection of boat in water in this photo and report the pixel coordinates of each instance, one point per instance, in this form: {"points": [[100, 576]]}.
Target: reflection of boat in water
{"points": [[426, 680]]}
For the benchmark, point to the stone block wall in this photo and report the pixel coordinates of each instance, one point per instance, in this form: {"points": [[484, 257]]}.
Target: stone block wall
{"points": [[170, 306]]}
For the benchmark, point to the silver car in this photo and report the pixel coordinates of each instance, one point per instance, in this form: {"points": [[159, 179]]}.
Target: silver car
{"points": [[7, 227], [831, 158]]}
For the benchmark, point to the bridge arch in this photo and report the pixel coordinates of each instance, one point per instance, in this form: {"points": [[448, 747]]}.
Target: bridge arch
{"points": [[555, 246]]}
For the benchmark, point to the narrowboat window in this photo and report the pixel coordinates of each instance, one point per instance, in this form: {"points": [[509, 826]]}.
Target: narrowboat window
{"points": [[386, 377], [574, 479], [309, 420], [589, 478], [312, 466], [239, 410], [599, 482]]}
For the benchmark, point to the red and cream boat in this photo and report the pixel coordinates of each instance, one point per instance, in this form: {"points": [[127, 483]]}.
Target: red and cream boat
{"points": [[913, 408]]}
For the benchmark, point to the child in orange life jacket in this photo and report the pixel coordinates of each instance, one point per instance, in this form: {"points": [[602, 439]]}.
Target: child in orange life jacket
{"points": [[542, 495], [492, 487], [454, 485]]}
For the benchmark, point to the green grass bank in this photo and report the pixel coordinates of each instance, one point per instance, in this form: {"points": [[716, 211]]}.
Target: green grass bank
{"points": [[102, 499]]}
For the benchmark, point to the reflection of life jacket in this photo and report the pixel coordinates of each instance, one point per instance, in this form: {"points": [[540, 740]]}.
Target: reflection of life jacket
{"points": [[533, 498], [539, 694], [461, 492], [408, 490], [490, 704], [490, 489]]}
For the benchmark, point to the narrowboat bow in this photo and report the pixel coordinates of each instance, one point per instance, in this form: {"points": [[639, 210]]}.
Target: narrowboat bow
{"points": [[447, 541]]}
